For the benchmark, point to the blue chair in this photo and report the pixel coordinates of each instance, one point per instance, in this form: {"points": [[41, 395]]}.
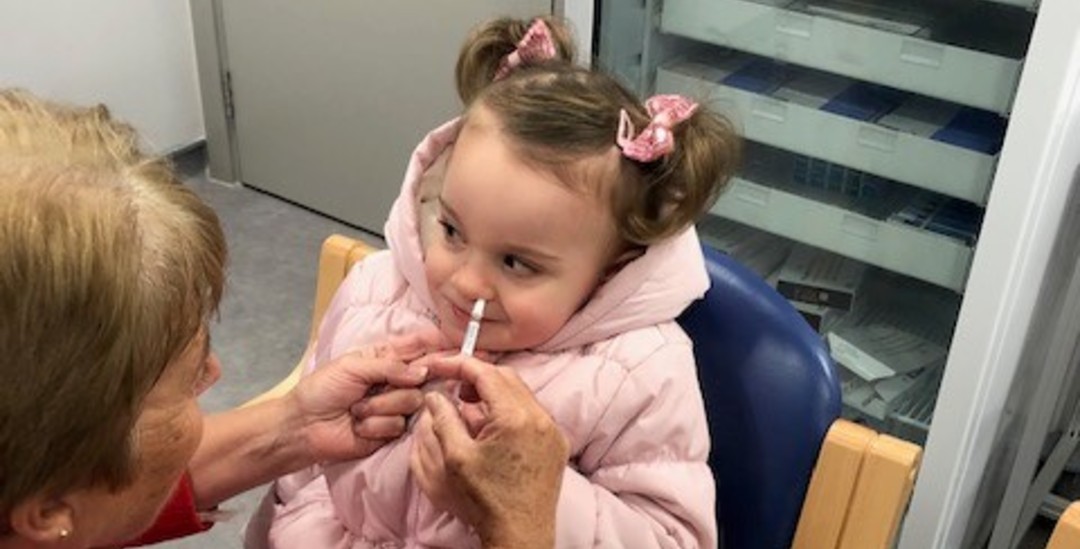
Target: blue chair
{"points": [[771, 394]]}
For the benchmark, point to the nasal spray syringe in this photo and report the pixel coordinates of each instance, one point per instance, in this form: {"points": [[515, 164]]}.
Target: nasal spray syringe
{"points": [[468, 346], [472, 332]]}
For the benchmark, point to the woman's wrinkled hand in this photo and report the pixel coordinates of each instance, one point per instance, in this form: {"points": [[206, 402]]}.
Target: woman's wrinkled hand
{"points": [[353, 405], [496, 464]]}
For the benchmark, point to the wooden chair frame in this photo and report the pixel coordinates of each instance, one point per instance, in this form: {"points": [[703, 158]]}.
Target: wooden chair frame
{"points": [[1067, 531], [859, 490], [338, 255]]}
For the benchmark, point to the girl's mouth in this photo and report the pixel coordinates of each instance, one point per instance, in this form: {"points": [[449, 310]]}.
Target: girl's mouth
{"points": [[461, 316]]}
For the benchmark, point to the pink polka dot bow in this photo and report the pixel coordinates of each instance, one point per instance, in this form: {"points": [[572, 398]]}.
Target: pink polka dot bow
{"points": [[537, 45], [656, 140]]}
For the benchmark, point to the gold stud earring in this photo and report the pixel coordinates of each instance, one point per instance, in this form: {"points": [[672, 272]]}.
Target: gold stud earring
{"points": [[64, 533]]}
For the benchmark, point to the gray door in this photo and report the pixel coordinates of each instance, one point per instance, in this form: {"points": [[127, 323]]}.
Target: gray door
{"points": [[331, 96]]}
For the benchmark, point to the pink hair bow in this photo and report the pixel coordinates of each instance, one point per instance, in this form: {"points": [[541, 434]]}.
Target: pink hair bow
{"points": [[536, 45], [656, 140]]}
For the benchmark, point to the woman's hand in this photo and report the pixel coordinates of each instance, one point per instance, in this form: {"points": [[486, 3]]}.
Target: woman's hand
{"points": [[505, 480], [329, 416], [352, 406]]}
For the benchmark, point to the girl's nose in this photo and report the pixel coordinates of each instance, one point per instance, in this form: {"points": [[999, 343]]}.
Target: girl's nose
{"points": [[472, 281]]}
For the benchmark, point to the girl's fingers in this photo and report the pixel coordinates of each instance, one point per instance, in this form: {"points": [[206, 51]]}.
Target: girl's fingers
{"points": [[380, 427], [432, 357], [499, 388], [391, 402], [415, 345], [474, 416]]}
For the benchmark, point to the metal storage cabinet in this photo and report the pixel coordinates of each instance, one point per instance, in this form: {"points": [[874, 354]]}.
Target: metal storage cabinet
{"points": [[874, 127]]}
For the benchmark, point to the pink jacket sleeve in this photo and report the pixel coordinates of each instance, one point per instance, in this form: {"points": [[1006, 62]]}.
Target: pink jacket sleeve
{"points": [[643, 480]]}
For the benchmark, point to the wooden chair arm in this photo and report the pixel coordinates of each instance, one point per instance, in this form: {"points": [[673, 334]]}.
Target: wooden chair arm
{"points": [[886, 480], [832, 485], [338, 255], [336, 258], [859, 490], [1067, 531]]}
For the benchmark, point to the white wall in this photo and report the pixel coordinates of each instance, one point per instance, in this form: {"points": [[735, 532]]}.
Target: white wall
{"points": [[136, 56]]}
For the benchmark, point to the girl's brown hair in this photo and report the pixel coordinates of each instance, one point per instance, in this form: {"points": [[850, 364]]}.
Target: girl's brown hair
{"points": [[110, 268], [558, 113]]}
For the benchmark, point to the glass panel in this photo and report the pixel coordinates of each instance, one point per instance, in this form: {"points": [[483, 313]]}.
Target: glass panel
{"points": [[873, 129]]}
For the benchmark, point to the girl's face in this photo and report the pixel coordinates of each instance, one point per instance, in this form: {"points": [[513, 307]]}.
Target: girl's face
{"points": [[515, 236]]}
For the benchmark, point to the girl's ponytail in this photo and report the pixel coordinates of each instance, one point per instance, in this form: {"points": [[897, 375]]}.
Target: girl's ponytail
{"points": [[490, 43], [674, 191]]}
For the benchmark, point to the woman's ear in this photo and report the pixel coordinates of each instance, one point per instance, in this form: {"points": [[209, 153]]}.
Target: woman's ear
{"points": [[43, 520]]}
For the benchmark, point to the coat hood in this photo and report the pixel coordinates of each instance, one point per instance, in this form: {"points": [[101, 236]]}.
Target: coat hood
{"points": [[651, 289]]}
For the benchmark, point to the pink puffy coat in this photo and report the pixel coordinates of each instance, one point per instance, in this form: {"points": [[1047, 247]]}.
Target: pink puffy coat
{"points": [[618, 378]]}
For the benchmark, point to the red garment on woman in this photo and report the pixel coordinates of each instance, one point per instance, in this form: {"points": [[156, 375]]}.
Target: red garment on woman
{"points": [[177, 519]]}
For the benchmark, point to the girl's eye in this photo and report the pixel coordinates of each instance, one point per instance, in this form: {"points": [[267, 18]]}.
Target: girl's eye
{"points": [[450, 233], [519, 267]]}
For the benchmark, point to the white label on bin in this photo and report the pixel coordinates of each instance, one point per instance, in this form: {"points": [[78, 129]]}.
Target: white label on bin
{"points": [[758, 196], [876, 137], [794, 24], [770, 109], [921, 52], [859, 226], [717, 35]]}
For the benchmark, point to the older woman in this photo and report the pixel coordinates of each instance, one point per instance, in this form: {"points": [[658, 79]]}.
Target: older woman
{"points": [[109, 273]]}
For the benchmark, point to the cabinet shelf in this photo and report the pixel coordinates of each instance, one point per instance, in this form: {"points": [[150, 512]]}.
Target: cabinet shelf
{"points": [[957, 63], [1029, 4], [763, 197], [914, 159]]}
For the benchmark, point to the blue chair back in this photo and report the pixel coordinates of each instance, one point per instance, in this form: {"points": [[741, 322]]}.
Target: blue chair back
{"points": [[770, 395]]}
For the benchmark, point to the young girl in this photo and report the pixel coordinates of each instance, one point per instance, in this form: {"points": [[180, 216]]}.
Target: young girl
{"points": [[568, 206]]}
